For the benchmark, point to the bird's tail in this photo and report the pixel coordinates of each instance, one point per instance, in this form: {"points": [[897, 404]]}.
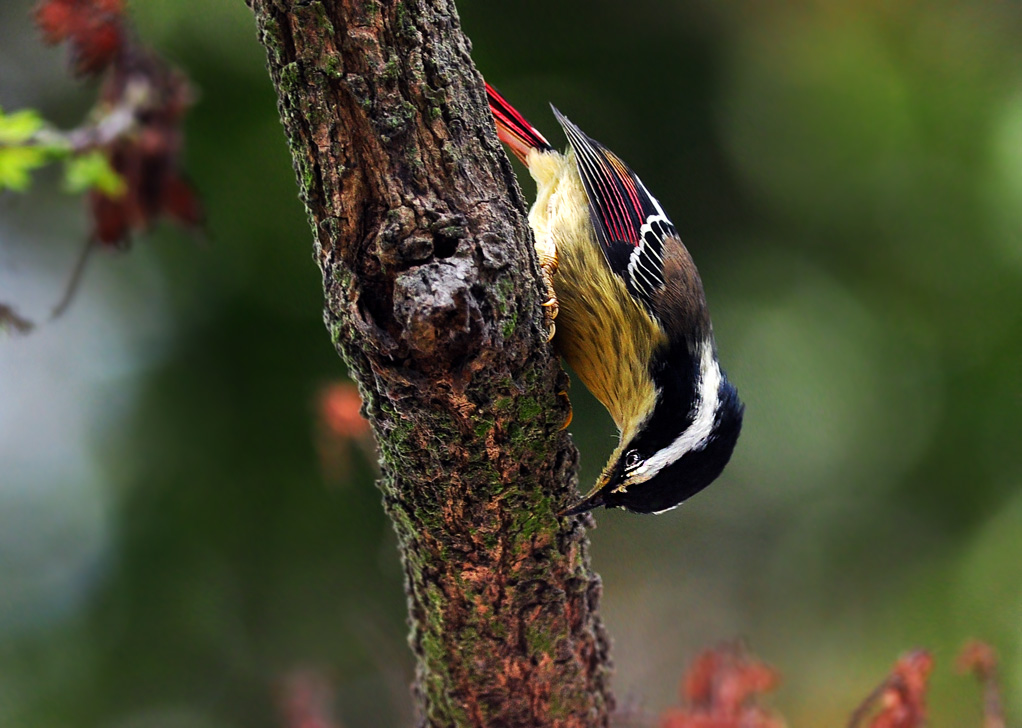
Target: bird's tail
{"points": [[513, 129]]}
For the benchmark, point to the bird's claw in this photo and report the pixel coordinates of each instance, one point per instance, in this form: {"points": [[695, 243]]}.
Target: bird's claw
{"points": [[550, 306], [550, 309]]}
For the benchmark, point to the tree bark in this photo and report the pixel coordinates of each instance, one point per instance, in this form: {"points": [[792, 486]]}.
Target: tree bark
{"points": [[433, 300]]}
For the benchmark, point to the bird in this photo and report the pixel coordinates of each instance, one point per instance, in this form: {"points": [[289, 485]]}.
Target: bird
{"points": [[626, 309]]}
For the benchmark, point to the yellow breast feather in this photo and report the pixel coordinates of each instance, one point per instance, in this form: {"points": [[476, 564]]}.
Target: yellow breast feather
{"points": [[602, 330]]}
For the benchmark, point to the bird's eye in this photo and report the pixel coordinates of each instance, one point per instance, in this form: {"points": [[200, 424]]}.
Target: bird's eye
{"points": [[632, 459]]}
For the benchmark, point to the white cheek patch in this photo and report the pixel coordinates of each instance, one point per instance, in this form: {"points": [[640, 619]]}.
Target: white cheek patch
{"points": [[696, 435]]}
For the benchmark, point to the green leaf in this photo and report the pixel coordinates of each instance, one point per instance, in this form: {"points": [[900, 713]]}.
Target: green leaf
{"points": [[92, 171], [17, 165], [18, 128]]}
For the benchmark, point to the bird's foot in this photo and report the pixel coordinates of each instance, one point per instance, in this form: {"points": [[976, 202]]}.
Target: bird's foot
{"points": [[548, 268]]}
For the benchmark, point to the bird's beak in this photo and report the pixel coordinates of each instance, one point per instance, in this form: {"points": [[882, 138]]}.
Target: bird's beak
{"points": [[591, 501]]}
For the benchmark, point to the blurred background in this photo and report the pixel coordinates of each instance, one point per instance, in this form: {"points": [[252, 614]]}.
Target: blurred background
{"points": [[185, 541]]}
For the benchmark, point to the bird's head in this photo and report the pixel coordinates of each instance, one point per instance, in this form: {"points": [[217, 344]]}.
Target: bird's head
{"points": [[680, 447]]}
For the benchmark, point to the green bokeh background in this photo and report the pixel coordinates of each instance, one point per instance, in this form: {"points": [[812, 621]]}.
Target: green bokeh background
{"points": [[847, 175]]}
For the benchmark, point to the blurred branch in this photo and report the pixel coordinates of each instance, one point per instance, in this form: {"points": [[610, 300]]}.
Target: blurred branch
{"points": [[11, 320], [432, 300]]}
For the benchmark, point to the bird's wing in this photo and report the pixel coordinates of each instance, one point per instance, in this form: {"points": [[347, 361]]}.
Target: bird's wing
{"points": [[630, 224]]}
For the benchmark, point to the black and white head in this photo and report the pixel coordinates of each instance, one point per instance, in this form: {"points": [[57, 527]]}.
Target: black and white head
{"points": [[681, 447]]}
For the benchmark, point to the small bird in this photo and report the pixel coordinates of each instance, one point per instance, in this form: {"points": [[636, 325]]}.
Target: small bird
{"points": [[631, 318]]}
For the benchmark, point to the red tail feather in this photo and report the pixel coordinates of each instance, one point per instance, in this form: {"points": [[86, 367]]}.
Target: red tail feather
{"points": [[513, 129]]}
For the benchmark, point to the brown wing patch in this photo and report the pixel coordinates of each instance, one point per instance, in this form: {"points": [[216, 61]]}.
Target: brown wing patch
{"points": [[681, 304]]}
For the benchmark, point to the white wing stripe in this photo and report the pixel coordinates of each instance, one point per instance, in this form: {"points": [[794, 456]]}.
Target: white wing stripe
{"points": [[634, 269]]}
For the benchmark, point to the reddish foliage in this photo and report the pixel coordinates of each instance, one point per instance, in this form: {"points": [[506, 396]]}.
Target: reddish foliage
{"points": [[305, 697], [94, 30], [980, 659], [147, 160], [144, 100], [180, 203], [341, 409], [901, 697], [721, 690], [341, 426]]}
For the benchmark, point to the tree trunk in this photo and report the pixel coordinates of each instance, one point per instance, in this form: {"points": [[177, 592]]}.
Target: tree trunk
{"points": [[432, 298]]}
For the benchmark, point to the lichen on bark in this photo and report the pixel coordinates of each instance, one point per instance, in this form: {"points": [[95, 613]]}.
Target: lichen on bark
{"points": [[432, 299]]}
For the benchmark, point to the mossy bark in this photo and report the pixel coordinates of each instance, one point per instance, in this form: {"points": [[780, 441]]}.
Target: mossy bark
{"points": [[433, 300]]}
